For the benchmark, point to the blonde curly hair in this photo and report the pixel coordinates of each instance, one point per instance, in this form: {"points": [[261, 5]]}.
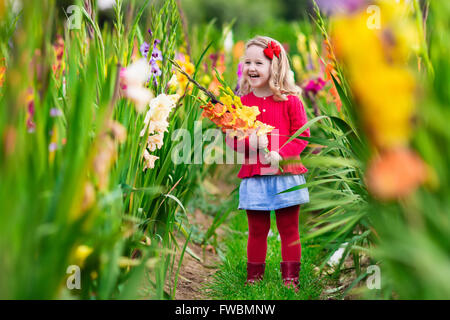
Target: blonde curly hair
{"points": [[281, 80]]}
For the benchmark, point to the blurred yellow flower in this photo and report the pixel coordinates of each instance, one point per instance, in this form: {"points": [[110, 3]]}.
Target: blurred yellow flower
{"points": [[187, 67], [80, 255], [376, 66], [301, 42], [381, 82], [297, 64]]}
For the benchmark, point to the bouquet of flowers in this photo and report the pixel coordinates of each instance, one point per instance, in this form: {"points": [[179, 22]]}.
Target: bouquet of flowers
{"points": [[229, 114]]}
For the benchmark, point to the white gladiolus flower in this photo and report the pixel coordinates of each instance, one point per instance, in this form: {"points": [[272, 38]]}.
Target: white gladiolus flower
{"points": [[156, 117], [106, 4], [140, 96], [173, 82], [133, 79], [137, 73], [149, 160], [228, 42], [155, 141], [156, 122]]}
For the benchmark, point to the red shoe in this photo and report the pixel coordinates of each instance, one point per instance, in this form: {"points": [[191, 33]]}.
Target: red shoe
{"points": [[290, 272], [255, 272]]}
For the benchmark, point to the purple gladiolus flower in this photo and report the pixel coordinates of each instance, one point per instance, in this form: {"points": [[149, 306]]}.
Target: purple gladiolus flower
{"points": [[156, 54], [145, 47], [339, 6], [52, 147], [155, 68], [55, 112]]}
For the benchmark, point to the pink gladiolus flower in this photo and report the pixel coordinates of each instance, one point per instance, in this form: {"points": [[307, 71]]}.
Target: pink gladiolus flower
{"points": [[314, 86]]}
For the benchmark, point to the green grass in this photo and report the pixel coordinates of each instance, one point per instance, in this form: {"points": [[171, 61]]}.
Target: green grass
{"points": [[228, 282]]}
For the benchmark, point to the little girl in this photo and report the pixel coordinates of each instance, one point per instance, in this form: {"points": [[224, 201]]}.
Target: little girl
{"points": [[267, 82]]}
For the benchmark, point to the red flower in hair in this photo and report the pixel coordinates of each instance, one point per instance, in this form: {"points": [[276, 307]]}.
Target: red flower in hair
{"points": [[271, 49]]}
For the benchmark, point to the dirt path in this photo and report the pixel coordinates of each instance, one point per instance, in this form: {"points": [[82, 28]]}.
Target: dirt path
{"points": [[194, 274]]}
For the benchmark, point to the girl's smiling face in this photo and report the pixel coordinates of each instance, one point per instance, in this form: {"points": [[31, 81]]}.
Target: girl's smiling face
{"points": [[256, 68]]}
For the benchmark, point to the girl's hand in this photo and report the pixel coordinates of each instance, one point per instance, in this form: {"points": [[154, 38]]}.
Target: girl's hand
{"points": [[273, 157], [260, 142]]}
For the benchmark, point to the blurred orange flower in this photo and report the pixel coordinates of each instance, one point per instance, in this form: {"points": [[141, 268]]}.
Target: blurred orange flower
{"points": [[2, 72], [395, 174], [238, 50]]}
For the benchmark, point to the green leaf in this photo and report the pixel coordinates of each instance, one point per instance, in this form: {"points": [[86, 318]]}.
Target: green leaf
{"points": [[303, 128]]}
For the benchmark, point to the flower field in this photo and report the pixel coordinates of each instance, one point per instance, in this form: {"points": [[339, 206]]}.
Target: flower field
{"points": [[112, 135]]}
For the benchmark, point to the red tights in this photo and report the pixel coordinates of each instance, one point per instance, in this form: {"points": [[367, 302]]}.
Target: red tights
{"points": [[258, 229]]}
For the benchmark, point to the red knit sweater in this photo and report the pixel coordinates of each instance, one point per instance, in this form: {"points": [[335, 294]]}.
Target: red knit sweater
{"points": [[287, 117]]}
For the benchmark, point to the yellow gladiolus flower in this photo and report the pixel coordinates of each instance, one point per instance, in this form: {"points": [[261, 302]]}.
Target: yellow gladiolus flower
{"points": [[301, 42], [381, 82], [262, 128], [227, 100], [248, 114], [237, 102]]}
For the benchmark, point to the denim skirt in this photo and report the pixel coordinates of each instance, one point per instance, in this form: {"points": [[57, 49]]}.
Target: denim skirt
{"points": [[260, 192]]}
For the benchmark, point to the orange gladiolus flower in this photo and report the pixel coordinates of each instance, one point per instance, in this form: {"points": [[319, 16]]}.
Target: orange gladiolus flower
{"points": [[228, 120], [218, 109], [239, 124], [395, 173]]}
